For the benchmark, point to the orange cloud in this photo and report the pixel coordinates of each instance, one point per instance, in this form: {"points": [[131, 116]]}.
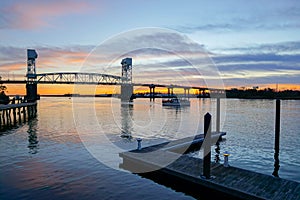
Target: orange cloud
{"points": [[50, 59], [13, 67]]}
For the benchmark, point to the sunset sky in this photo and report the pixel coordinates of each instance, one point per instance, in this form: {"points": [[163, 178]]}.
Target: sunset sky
{"points": [[252, 43]]}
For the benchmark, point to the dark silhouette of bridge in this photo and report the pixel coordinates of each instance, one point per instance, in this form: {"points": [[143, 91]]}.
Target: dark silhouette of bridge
{"points": [[125, 81], [71, 78]]}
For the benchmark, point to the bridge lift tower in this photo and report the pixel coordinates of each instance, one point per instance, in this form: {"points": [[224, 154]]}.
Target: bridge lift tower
{"points": [[31, 85], [126, 86]]}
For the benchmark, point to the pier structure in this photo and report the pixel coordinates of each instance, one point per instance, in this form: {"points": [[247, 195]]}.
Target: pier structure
{"points": [[152, 91], [187, 92], [203, 93], [18, 109], [16, 112], [170, 90], [185, 174], [171, 164]]}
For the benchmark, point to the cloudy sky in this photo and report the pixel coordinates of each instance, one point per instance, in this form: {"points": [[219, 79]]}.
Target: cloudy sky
{"points": [[252, 43]]}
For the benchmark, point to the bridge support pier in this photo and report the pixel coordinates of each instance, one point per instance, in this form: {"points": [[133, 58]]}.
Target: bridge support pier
{"points": [[188, 93], [126, 92], [170, 91], [152, 92], [203, 94], [31, 85], [31, 92]]}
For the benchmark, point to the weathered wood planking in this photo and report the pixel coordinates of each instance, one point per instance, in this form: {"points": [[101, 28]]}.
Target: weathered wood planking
{"points": [[232, 181]]}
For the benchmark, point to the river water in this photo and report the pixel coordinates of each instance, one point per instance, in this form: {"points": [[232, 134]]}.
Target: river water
{"points": [[69, 150]]}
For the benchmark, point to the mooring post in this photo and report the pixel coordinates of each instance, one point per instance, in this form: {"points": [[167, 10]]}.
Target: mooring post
{"points": [[139, 141], [226, 155], [277, 138], [207, 146], [218, 116]]}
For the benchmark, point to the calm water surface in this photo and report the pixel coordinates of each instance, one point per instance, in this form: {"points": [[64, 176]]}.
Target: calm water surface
{"points": [[52, 156]]}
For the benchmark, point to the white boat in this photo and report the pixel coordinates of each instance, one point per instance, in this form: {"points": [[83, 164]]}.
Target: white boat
{"points": [[175, 102]]}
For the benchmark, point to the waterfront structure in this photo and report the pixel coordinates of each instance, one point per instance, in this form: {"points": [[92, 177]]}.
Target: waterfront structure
{"points": [[125, 81]]}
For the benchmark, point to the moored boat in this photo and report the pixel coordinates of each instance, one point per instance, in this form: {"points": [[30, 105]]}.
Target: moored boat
{"points": [[175, 102]]}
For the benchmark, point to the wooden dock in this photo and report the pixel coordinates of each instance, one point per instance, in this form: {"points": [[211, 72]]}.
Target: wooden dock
{"points": [[10, 114], [165, 162]]}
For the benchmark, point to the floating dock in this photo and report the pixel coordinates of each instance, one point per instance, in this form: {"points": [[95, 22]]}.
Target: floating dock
{"points": [[165, 161]]}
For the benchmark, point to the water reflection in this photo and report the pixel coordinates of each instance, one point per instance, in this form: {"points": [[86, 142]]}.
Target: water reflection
{"points": [[217, 151], [32, 136], [276, 164], [126, 120], [175, 111]]}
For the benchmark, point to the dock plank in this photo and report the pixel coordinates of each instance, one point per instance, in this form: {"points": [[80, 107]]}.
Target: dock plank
{"points": [[231, 180]]}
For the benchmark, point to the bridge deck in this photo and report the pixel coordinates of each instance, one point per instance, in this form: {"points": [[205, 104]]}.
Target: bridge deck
{"points": [[186, 171]]}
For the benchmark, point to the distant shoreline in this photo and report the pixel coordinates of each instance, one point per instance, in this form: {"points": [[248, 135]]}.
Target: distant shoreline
{"points": [[263, 94], [282, 98], [230, 94], [76, 95]]}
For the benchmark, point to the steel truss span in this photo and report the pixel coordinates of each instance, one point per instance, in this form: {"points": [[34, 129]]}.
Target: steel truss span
{"points": [[79, 78]]}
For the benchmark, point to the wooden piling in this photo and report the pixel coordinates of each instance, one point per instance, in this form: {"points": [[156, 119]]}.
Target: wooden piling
{"points": [[19, 114], [277, 125], [218, 119], [24, 113], [207, 146], [9, 112], [3, 117], [7, 117], [14, 116], [277, 139]]}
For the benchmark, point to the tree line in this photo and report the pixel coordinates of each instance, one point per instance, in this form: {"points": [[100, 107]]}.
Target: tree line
{"points": [[267, 93]]}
